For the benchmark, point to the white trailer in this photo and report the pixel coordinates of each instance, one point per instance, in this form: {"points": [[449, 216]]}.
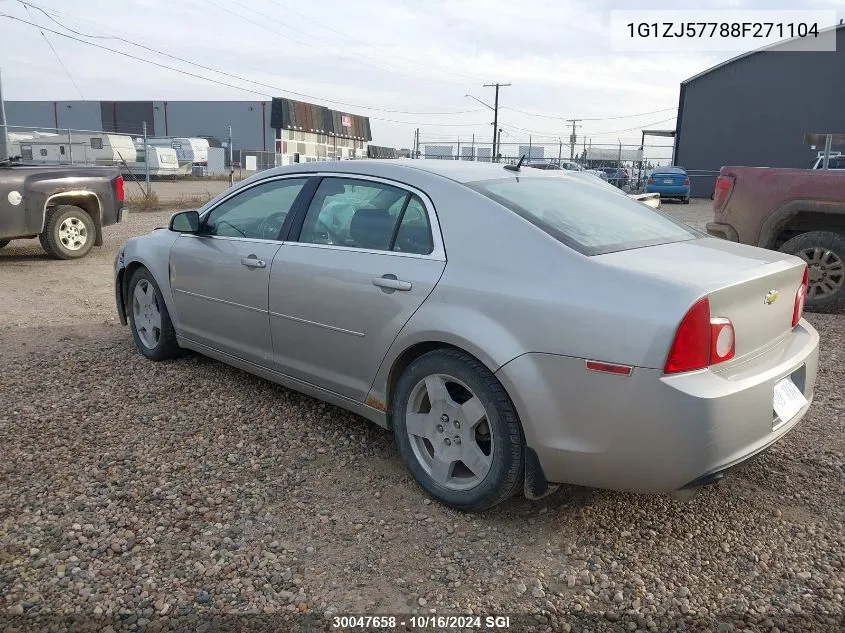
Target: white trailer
{"points": [[162, 163], [190, 151], [78, 147]]}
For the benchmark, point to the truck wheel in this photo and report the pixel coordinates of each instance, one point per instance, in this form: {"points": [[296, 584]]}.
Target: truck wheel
{"points": [[457, 431], [69, 232], [824, 252], [4, 243]]}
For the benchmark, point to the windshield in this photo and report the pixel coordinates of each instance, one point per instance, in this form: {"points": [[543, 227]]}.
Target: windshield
{"points": [[589, 217]]}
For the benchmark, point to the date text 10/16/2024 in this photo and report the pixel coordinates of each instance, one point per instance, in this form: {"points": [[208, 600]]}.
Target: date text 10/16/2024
{"points": [[420, 622]]}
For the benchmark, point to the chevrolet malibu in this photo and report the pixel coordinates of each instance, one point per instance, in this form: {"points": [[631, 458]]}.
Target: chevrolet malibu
{"points": [[515, 328]]}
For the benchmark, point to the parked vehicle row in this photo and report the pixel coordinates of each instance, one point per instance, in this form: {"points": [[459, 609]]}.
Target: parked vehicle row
{"points": [[378, 286]]}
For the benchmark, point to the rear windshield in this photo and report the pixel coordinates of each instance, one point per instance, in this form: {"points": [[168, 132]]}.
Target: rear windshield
{"points": [[590, 218]]}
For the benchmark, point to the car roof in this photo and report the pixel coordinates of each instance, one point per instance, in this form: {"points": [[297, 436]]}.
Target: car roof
{"points": [[669, 169], [457, 170]]}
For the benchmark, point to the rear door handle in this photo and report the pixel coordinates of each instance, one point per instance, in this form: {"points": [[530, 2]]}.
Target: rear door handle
{"points": [[253, 262], [389, 282]]}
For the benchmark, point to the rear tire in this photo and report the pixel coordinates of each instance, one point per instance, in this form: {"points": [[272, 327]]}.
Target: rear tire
{"points": [[69, 233], [4, 243], [824, 252], [149, 320], [685, 200], [458, 431]]}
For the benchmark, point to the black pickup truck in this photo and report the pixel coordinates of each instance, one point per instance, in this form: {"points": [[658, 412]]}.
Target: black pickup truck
{"points": [[65, 206]]}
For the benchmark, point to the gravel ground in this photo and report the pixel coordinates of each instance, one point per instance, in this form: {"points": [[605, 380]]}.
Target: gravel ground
{"points": [[188, 495]]}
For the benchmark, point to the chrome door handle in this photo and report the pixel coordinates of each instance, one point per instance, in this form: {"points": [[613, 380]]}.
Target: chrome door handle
{"points": [[391, 283], [253, 262]]}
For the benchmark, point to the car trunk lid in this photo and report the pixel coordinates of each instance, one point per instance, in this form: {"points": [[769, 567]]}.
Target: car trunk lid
{"points": [[753, 287]]}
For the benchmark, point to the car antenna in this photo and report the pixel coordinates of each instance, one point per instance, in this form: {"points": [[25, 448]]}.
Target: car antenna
{"points": [[517, 166]]}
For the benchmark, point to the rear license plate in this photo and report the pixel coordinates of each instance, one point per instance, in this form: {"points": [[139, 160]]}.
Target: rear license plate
{"points": [[668, 181], [788, 400]]}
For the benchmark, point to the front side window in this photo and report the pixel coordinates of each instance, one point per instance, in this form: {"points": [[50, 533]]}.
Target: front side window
{"points": [[368, 215], [589, 217], [257, 213]]}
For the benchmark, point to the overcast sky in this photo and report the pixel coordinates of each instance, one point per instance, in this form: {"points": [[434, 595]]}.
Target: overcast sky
{"points": [[417, 57]]}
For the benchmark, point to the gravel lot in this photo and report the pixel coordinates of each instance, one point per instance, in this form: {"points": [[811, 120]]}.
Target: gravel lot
{"points": [[191, 496]]}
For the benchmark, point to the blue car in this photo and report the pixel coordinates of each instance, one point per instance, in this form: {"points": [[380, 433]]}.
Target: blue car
{"points": [[669, 182]]}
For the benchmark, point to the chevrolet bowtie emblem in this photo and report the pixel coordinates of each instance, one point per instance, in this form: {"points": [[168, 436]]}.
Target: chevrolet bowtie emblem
{"points": [[771, 297]]}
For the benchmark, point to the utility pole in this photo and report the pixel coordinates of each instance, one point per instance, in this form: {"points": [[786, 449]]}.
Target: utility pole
{"points": [[573, 138], [4, 144], [231, 164], [417, 143], [458, 154], [496, 118], [529, 147], [559, 151], [473, 147], [146, 160]]}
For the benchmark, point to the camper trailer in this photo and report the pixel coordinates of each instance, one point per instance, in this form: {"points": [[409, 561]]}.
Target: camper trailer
{"points": [[162, 163], [190, 151], [78, 147]]}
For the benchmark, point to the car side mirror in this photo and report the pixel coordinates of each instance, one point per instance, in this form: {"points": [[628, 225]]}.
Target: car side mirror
{"points": [[185, 222]]}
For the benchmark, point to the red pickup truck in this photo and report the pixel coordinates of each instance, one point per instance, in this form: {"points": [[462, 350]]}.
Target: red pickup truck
{"points": [[797, 211]]}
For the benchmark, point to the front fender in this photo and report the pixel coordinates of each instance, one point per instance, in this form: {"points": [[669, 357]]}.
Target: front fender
{"points": [[153, 253]]}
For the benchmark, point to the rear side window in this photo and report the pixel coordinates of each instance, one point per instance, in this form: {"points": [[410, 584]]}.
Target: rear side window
{"points": [[590, 218]]}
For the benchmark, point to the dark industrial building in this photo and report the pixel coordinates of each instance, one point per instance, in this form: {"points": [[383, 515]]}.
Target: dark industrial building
{"points": [[754, 110]]}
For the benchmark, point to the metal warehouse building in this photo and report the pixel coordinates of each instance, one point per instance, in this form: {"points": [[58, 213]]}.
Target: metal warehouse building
{"points": [[754, 110], [280, 125]]}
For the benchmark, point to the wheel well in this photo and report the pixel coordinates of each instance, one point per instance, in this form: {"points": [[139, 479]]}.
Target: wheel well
{"points": [[88, 202], [125, 277], [806, 221]]}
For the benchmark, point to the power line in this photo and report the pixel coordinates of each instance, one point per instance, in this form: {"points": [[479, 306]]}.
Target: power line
{"points": [[362, 42], [639, 127], [58, 58], [222, 72], [608, 118], [357, 60]]}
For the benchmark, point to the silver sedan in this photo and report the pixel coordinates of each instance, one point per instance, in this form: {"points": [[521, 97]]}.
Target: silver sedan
{"points": [[515, 328]]}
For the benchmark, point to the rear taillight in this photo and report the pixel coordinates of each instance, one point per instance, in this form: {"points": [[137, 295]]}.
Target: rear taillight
{"points": [[800, 298], [701, 340], [724, 186], [722, 340], [650, 181], [686, 181], [118, 189]]}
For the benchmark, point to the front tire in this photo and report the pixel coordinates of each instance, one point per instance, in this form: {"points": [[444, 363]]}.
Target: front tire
{"points": [[69, 233], [4, 243], [458, 431], [824, 252], [152, 329]]}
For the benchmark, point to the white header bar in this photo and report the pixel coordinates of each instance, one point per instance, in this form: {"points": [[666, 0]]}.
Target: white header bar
{"points": [[736, 31]]}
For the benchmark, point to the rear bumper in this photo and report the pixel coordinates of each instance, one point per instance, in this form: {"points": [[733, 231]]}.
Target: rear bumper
{"points": [[669, 191], [649, 432], [723, 231]]}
